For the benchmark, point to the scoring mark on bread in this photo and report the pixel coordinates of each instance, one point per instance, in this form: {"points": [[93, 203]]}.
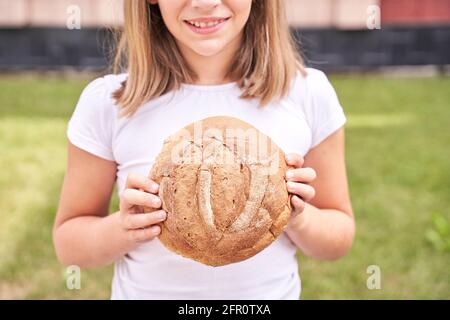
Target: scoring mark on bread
{"points": [[204, 197], [258, 184]]}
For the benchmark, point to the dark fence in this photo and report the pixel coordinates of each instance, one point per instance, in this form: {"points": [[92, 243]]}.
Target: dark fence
{"points": [[53, 48], [327, 49], [332, 49]]}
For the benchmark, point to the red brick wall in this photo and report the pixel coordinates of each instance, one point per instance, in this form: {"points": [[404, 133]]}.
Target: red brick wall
{"points": [[415, 12]]}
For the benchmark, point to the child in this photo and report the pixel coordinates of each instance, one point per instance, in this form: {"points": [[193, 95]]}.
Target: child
{"points": [[187, 60]]}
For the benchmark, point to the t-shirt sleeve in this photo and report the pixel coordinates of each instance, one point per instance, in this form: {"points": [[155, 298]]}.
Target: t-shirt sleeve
{"points": [[324, 111], [91, 125]]}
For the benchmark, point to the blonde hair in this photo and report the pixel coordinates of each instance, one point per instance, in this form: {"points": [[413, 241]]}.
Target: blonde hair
{"points": [[263, 67]]}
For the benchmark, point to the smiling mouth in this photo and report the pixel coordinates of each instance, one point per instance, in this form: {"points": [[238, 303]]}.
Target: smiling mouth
{"points": [[206, 24]]}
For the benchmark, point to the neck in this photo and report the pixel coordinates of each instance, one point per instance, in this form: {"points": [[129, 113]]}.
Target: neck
{"points": [[211, 70]]}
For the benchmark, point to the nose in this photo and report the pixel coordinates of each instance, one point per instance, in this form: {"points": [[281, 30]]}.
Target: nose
{"points": [[205, 4]]}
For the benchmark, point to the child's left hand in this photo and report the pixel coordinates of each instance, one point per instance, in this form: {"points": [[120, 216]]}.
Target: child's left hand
{"points": [[298, 180]]}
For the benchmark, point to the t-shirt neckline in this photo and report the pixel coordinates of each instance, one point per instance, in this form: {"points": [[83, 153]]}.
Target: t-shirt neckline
{"points": [[212, 87]]}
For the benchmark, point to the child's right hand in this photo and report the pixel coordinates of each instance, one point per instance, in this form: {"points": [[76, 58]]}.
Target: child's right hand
{"points": [[139, 226]]}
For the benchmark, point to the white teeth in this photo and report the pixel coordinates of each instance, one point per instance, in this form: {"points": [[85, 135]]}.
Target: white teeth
{"points": [[206, 24]]}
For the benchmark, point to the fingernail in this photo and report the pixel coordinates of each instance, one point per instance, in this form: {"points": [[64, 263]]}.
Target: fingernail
{"points": [[157, 202], [153, 187], [290, 184], [155, 230], [162, 215], [289, 174]]}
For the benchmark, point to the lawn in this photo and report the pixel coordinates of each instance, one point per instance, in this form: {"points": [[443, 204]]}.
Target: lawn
{"points": [[398, 160]]}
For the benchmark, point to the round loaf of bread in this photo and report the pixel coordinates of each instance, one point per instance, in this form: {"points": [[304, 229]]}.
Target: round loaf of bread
{"points": [[222, 185]]}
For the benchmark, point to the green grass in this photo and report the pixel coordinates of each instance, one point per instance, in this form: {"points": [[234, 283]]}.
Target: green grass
{"points": [[398, 165]]}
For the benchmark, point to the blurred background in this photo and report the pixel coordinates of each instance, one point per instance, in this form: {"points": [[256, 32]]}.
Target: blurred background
{"points": [[334, 34], [389, 63]]}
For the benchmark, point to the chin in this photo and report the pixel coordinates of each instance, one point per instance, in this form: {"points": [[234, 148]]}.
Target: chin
{"points": [[208, 50]]}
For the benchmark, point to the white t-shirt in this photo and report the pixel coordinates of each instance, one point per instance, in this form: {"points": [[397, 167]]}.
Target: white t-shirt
{"points": [[303, 119]]}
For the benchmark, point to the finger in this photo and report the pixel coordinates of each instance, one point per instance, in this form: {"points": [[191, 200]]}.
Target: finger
{"points": [[301, 175], [298, 205], [294, 159], [304, 191], [133, 197], [143, 235], [143, 220], [138, 181]]}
